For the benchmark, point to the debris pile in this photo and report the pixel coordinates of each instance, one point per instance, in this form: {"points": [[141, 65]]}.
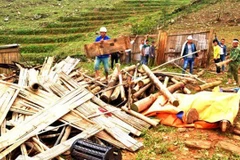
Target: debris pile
{"points": [[52, 106]]}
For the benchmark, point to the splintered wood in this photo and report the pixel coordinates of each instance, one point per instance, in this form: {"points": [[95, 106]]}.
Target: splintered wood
{"points": [[49, 108]]}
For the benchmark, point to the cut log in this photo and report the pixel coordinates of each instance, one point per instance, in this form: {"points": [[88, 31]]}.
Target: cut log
{"points": [[139, 115], [160, 86], [208, 85], [135, 89], [185, 89], [142, 90], [219, 64], [106, 95], [122, 91], [115, 93], [145, 103], [96, 90], [143, 82]]}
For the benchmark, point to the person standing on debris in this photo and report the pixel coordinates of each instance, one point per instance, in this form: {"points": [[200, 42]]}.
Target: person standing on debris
{"points": [[216, 54], [188, 49], [223, 52], [102, 58], [152, 54], [146, 48], [234, 63], [114, 57]]}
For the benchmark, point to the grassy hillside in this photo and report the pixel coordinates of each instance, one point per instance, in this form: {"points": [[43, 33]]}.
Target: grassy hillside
{"points": [[62, 27]]}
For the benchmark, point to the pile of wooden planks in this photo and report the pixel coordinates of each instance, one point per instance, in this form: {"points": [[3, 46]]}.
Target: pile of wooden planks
{"points": [[45, 109], [48, 108]]}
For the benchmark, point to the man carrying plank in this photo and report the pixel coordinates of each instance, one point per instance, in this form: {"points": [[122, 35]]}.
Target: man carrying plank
{"points": [[234, 63], [104, 57]]}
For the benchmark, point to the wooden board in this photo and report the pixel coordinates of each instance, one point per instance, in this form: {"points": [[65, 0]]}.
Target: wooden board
{"points": [[107, 46]]}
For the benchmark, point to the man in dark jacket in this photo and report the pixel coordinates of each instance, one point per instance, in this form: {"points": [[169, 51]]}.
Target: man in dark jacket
{"points": [[188, 50]]}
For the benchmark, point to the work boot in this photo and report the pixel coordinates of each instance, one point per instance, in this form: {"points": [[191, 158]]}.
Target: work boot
{"points": [[191, 116]]}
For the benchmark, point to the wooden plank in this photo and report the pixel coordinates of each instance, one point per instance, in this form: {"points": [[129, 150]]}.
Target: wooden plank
{"points": [[32, 125], [107, 46], [66, 145], [160, 56], [10, 97]]}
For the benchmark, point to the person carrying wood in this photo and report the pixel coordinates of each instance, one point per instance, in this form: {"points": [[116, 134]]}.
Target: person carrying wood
{"points": [[102, 58], [234, 63], [189, 48], [216, 54]]}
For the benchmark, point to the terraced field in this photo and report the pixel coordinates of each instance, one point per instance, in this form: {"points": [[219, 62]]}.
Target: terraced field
{"points": [[63, 27]]}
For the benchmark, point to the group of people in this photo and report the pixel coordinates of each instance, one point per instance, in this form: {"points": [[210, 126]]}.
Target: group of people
{"points": [[189, 53], [147, 54]]}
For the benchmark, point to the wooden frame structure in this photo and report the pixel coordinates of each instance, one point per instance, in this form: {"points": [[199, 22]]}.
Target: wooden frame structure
{"points": [[170, 45]]}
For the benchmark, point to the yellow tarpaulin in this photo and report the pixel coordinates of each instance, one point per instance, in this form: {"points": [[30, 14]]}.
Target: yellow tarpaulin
{"points": [[211, 106]]}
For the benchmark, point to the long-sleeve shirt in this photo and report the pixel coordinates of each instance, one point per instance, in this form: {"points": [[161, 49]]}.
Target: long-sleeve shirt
{"points": [[216, 52], [235, 55]]}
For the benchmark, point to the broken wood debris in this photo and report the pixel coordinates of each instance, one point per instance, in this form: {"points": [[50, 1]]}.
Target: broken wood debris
{"points": [[60, 103]]}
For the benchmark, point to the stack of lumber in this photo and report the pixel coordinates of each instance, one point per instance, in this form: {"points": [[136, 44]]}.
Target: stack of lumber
{"points": [[48, 108]]}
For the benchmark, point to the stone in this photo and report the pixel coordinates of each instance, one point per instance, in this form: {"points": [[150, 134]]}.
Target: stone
{"points": [[198, 144], [236, 137], [228, 147], [182, 130]]}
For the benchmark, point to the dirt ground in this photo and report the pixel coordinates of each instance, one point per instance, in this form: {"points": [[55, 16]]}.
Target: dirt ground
{"points": [[166, 142]]}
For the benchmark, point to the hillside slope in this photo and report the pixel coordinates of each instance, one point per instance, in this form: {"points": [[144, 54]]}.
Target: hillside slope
{"points": [[56, 27]]}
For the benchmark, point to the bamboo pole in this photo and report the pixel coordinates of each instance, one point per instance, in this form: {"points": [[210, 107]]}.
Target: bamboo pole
{"points": [[160, 86], [174, 60], [196, 77], [24, 151], [66, 134]]}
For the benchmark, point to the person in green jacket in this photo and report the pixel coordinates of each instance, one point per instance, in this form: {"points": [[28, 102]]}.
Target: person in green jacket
{"points": [[234, 63]]}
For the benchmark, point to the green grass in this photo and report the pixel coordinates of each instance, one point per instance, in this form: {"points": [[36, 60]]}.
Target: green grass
{"points": [[75, 22]]}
